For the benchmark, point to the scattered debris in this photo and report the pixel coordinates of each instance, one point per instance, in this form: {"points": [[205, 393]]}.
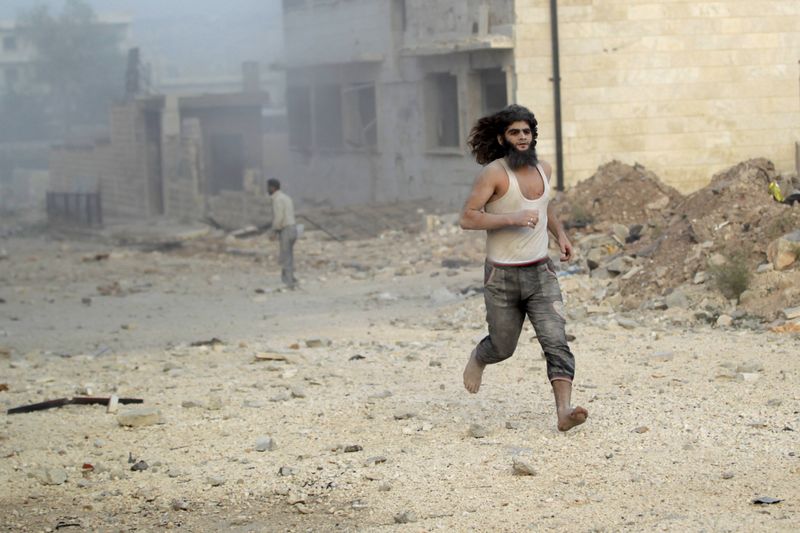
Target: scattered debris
{"points": [[766, 500], [522, 468], [147, 416], [140, 466], [211, 342], [75, 400], [405, 517]]}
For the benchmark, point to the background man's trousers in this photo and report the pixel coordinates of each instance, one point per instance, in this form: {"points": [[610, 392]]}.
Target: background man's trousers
{"points": [[288, 236]]}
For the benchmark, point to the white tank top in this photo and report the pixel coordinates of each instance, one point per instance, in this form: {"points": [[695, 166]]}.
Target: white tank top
{"points": [[518, 245]]}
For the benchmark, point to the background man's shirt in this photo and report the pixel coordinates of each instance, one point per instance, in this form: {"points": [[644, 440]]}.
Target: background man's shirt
{"points": [[282, 211]]}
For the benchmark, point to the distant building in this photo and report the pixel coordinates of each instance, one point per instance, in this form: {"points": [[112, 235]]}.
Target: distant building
{"points": [[381, 94], [186, 157], [16, 58]]}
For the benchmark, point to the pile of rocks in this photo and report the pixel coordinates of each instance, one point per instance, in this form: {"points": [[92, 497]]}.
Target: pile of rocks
{"points": [[672, 252]]}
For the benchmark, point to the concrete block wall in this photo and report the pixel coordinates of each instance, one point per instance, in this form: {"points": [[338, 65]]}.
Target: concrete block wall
{"points": [[80, 169], [684, 88], [182, 170], [124, 188]]}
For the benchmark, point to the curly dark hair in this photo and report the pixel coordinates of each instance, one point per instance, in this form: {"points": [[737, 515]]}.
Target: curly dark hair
{"points": [[483, 137]]}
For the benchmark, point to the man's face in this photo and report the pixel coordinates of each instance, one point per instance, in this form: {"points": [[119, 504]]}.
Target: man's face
{"points": [[518, 136], [271, 190]]}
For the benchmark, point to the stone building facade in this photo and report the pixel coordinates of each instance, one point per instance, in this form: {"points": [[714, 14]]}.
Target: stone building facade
{"points": [[381, 94]]}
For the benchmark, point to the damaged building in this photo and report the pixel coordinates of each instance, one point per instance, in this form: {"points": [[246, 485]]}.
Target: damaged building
{"points": [[185, 157], [381, 94]]}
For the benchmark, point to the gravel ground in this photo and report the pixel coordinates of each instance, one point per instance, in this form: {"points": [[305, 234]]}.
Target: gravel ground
{"points": [[357, 382]]}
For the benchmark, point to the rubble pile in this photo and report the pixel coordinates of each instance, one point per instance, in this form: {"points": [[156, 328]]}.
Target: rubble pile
{"points": [[677, 246], [618, 193]]}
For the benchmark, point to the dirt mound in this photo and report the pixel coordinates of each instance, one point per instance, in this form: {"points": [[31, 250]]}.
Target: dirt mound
{"points": [[733, 216], [619, 193]]}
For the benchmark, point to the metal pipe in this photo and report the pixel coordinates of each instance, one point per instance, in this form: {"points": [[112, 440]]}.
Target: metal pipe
{"points": [[557, 94]]}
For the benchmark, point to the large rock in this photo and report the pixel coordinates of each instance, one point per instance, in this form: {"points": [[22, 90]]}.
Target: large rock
{"points": [[783, 251]]}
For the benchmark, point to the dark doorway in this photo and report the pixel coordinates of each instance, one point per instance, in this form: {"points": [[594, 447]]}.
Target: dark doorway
{"points": [[155, 179], [227, 163]]}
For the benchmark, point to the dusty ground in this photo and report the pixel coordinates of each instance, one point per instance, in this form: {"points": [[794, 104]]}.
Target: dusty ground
{"points": [[688, 423]]}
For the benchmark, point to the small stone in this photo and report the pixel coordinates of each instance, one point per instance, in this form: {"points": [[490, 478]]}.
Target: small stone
{"points": [[790, 313], [677, 299], [353, 448], [359, 504], [298, 392], [724, 321], [286, 471], [727, 475], [725, 374], [214, 403], [372, 461], [477, 431], [627, 323], [140, 466], [50, 475], [215, 481], [191, 404], [404, 415], [113, 404], [380, 395], [281, 397], [180, 505], [146, 416], [522, 468], [510, 424], [765, 267], [317, 343], [662, 357], [264, 444], [641, 429], [405, 517], [293, 498]]}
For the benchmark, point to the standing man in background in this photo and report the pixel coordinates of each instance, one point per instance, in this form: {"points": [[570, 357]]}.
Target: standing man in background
{"points": [[285, 228]]}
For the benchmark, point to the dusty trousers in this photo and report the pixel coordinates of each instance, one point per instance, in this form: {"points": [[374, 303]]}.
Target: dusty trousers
{"points": [[511, 293], [287, 236]]}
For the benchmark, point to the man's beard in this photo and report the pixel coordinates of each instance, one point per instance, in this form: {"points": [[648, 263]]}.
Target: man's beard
{"points": [[520, 158]]}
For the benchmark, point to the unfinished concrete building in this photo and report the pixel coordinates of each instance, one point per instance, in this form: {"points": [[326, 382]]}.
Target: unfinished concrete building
{"points": [[382, 93], [188, 157]]}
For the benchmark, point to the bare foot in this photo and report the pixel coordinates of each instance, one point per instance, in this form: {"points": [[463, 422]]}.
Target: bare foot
{"points": [[473, 373], [575, 417]]}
